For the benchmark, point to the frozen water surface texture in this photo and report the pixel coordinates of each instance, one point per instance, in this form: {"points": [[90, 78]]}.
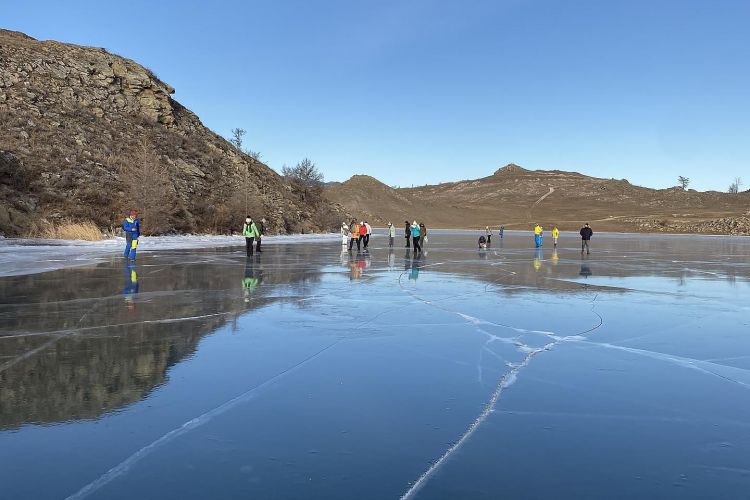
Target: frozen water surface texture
{"points": [[308, 372]]}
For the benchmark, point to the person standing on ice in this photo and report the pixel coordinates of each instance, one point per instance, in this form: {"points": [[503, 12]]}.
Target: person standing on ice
{"points": [[586, 233], [344, 233], [407, 232], [354, 228], [422, 233], [555, 235], [261, 231], [488, 233], [368, 233], [132, 228], [501, 230], [391, 234], [362, 234], [538, 236], [250, 232], [415, 237]]}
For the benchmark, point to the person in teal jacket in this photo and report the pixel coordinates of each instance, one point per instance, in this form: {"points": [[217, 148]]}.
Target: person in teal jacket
{"points": [[415, 237], [250, 232], [132, 228]]}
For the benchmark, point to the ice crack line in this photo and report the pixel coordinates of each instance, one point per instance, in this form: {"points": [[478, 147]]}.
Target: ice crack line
{"points": [[505, 381], [188, 426]]}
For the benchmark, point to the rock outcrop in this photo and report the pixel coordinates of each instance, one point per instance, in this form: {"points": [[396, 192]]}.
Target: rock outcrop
{"points": [[88, 134]]}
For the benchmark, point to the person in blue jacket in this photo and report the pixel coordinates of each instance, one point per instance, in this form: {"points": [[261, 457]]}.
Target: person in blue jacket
{"points": [[132, 228]]}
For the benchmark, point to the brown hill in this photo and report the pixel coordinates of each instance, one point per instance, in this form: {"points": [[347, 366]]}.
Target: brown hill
{"points": [[85, 134], [518, 198]]}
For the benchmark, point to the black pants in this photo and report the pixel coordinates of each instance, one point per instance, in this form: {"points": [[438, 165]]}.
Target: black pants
{"points": [[417, 248], [407, 241], [585, 244], [489, 239], [367, 239], [249, 245], [358, 239], [257, 245]]}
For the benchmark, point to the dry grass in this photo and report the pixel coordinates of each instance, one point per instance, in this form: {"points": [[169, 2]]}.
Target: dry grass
{"points": [[72, 231]]}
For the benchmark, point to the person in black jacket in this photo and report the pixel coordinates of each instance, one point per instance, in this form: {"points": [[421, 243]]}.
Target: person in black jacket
{"points": [[586, 233], [407, 232]]}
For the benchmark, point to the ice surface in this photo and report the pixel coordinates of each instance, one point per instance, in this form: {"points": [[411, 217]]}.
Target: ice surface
{"points": [[25, 256], [308, 371]]}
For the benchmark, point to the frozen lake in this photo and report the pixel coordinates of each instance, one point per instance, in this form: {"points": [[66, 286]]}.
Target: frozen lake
{"points": [[311, 373]]}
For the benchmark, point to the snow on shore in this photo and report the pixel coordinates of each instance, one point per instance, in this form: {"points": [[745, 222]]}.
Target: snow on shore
{"points": [[29, 256]]}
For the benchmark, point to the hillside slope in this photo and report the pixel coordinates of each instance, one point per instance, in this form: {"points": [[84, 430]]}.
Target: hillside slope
{"points": [[518, 198], [85, 134]]}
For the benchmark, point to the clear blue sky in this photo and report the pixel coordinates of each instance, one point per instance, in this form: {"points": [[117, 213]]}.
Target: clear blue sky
{"points": [[416, 91]]}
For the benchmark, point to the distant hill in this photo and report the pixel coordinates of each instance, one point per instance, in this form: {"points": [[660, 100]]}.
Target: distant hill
{"points": [[518, 198], [86, 134]]}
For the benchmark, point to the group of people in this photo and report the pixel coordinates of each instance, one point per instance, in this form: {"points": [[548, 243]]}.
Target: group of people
{"points": [[416, 232], [253, 232], [359, 233], [586, 232], [356, 232]]}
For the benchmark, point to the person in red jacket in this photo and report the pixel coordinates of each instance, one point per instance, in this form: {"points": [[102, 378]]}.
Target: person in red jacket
{"points": [[362, 234]]}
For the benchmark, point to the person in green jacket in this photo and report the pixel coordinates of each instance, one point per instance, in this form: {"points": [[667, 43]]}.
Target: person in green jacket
{"points": [[250, 232]]}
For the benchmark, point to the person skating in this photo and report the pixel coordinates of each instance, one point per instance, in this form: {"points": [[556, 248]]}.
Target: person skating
{"points": [[415, 236], [555, 235], [261, 231], [501, 231], [354, 228], [367, 233], [586, 233], [422, 233], [132, 228], [488, 233], [538, 236], [391, 234], [250, 232], [407, 232]]}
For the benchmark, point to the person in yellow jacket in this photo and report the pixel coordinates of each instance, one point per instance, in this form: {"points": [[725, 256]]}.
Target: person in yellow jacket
{"points": [[555, 235], [538, 235]]}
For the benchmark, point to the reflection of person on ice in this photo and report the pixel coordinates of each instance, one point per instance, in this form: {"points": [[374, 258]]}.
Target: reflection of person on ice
{"points": [[130, 289], [538, 236], [132, 228]]}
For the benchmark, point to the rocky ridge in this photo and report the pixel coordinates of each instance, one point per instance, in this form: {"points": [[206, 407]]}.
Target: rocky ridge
{"points": [[86, 134]]}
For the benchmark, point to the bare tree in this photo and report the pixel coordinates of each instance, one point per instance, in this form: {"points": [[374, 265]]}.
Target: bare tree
{"points": [[237, 136], [306, 179], [683, 181], [253, 154], [149, 188], [734, 187]]}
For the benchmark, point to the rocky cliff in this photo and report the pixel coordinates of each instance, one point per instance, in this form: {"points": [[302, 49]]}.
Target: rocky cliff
{"points": [[86, 134]]}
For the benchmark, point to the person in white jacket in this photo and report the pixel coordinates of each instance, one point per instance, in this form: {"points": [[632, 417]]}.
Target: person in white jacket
{"points": [[367, 234], [344, 234], [391, 234]]}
